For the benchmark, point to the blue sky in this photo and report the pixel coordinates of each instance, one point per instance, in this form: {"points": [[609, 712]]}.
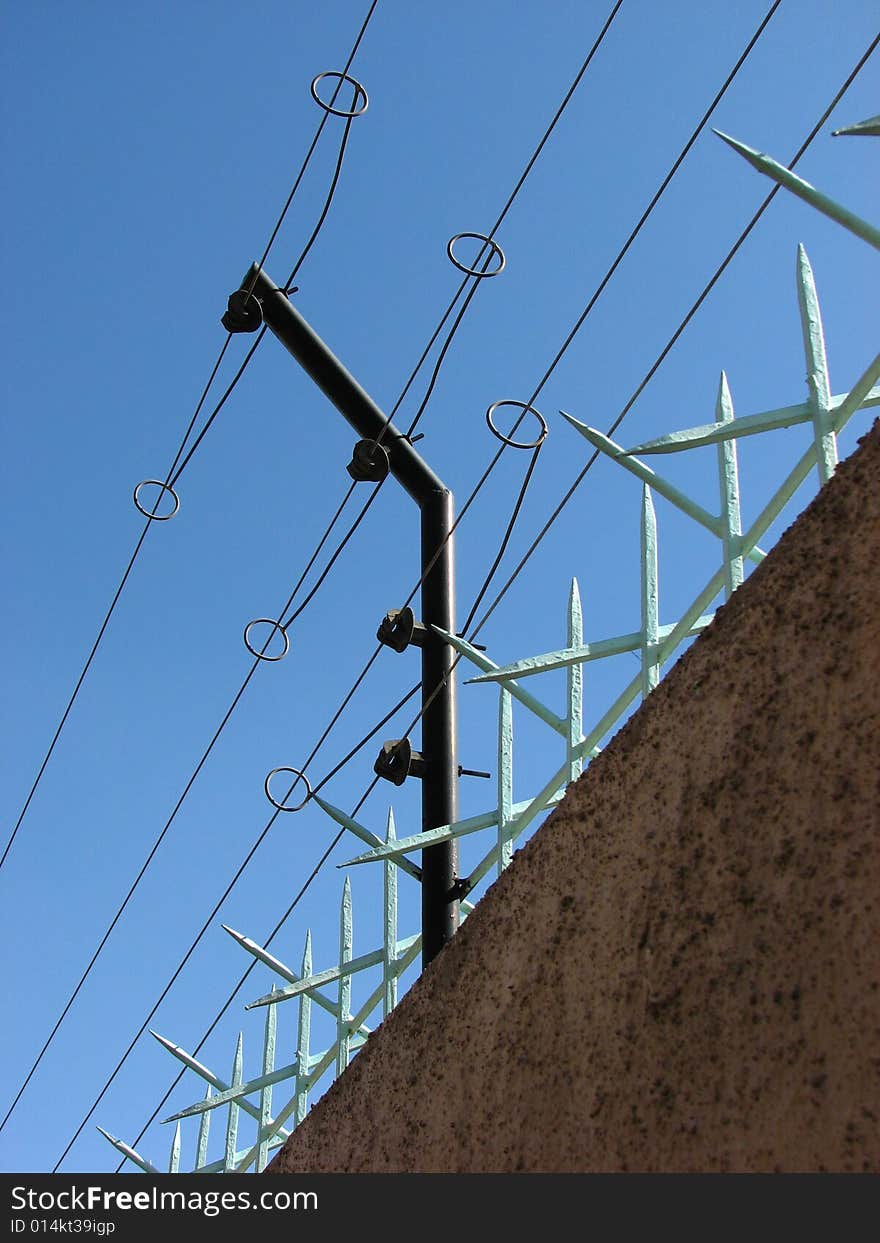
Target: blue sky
{"points": [[148, 152]]}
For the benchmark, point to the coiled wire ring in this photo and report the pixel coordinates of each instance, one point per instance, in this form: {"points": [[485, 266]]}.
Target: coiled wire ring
{"points": [[300, 776], [487, 241], [359, 93], [517, 444], [164, 487], [276, 626]]}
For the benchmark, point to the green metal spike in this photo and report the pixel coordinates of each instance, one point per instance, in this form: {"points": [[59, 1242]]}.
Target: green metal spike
{"points": [[869, 127], [803, 190], [728, 477], [817, 368], [232, 1115]]}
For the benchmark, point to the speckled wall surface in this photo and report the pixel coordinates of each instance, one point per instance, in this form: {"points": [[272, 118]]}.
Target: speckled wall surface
{"points": [[681, 971]]}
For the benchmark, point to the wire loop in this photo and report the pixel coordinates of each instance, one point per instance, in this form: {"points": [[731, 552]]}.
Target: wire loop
{"points": [[508, 440], [359, 94], [496, 252], [163, 488], [300, 776], [276, 626]]}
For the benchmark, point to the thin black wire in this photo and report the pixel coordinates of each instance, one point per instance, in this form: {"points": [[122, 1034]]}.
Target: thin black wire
{"points": [[530, 164], [167, 825], [284, 625], [204, 928], [318, 132], [593, 300], [121, 909], [268, 941], [561, 352], [628, 406], [172, 477], [341, 764], [708, 287], [262, 332]]}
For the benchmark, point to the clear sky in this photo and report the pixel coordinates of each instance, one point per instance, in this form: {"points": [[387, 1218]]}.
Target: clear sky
{"points": [[148, 151]]}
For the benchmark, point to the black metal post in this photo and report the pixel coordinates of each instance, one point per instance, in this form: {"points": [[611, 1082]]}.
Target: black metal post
{"points": [[439, 725], [440, 907]]}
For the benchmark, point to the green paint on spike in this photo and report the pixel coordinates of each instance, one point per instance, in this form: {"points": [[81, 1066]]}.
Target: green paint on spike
{"points": [[174, 1158], [343, 1032], [372, 839], [232, 1116], [389, 923], [869, 128], [204, 1127], [489, 667], [276, 965], [575, 685], [817, 368], [656, 482], [223, 1089], [505, 778], [803, 190], [579, 655], [303, 1037], [728, 477], [129, 1153], [748, 425], [432, 837], [650, 621], [266, 1094]]}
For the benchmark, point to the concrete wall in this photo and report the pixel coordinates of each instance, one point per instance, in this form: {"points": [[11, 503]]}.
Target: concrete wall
{"points": [[680, 970]]}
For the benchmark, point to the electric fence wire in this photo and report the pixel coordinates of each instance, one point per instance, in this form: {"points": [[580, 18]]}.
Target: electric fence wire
{"points": [[175, 471], [567, 496], [419, 413], [306, 884], [689, 315], [284, 624], [640, 388], [509, 530], [701, 297], [237, 698], [517, 507], [205, 926]]}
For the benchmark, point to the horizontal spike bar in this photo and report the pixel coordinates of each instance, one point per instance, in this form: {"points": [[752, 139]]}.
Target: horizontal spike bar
{"points": [[374, 959], [374, 1000], [276, 965], [649, 476], [189, 1061], [578, 655], [746, 425], [234, 1093], [433, 836]]}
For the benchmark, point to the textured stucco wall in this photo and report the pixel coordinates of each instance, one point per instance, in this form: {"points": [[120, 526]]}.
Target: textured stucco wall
{"points": [[680, 971]]}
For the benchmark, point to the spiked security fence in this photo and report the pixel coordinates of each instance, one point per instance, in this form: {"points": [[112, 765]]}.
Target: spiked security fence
{"points": [[653, 642]]}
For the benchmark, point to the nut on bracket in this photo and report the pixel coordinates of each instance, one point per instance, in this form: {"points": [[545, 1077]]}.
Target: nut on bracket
{"points": [[397, 761]]}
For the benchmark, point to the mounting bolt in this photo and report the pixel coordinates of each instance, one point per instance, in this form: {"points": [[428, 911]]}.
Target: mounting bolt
{"points": [[471, 772]]}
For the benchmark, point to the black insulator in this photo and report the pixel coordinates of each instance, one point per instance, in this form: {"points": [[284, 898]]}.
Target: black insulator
{"points": [[369, 462], [243, 312]]}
